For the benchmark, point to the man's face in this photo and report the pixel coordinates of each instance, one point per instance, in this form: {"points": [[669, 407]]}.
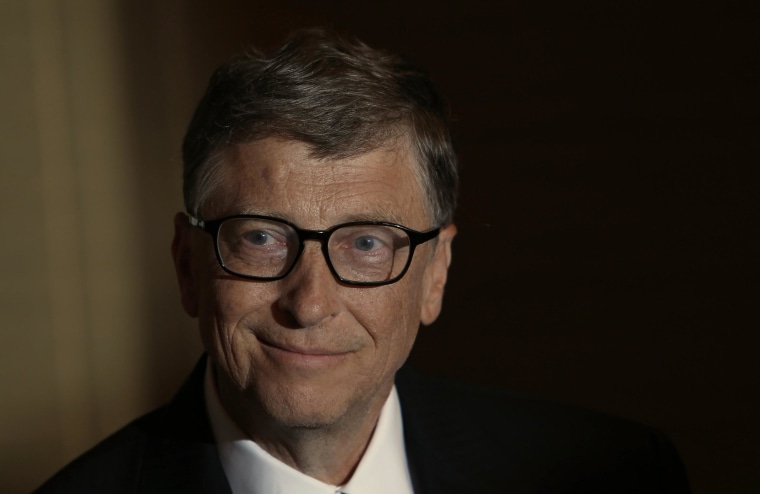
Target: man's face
{"points": [[307, 350]]}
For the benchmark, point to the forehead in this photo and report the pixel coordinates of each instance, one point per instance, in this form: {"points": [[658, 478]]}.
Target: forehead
{"points": [[282, 178]]}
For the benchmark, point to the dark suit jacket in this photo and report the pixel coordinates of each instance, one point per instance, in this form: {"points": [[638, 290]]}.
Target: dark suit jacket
{"points": [[459, 439]]}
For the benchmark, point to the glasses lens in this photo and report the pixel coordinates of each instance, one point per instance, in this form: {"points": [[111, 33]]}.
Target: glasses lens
{"points": [[257, 247], [369, 253]]}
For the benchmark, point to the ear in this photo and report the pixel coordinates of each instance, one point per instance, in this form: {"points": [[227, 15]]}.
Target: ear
{"points": [[436, 274], [182, 252]]}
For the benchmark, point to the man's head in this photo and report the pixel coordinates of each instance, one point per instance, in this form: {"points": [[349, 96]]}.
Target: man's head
{"points": [[338, 96], [324, 133]]}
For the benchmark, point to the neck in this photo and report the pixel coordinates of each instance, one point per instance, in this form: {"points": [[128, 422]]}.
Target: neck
{"points": [[327, 452]]}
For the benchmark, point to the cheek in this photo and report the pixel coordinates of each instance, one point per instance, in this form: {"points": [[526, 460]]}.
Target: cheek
{"points": [[230, 309], [216, 316], [224, 305], [390, 315]]}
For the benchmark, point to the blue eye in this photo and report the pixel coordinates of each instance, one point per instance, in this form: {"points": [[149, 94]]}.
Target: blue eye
{"points": [[365, 243], [258, 237]]}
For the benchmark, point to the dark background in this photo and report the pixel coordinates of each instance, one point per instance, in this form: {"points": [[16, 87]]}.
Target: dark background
{"points": [[606, 253]]}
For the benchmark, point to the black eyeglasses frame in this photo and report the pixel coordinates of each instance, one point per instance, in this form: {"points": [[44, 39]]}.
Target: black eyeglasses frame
{"points": [[322, 236]]}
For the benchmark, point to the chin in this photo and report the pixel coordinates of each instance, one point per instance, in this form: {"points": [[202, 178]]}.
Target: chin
{"points": [[305, 408]]}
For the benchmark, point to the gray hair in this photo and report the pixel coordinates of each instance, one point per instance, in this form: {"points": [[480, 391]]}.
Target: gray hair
{"points": [[340, 97]]}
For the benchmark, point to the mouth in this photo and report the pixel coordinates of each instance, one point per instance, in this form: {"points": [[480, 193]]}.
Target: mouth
{"points": [[312, 357]]}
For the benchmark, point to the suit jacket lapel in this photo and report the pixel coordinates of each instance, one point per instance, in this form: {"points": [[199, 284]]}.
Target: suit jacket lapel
{"points": [[180, 453], [436, 447]]}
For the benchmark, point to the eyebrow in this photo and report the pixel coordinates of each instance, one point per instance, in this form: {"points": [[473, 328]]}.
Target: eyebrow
{"points": [[378, 215], [387, 217]]}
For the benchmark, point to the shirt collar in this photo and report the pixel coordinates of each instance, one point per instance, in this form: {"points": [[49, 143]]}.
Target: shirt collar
{"points": [[251, 470]]}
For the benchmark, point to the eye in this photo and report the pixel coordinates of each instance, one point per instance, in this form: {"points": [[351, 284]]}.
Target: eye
{"points": [[259, 237], [366, 243]]}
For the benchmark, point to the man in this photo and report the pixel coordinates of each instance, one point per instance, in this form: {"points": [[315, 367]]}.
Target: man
{"points": [[320, 186]]}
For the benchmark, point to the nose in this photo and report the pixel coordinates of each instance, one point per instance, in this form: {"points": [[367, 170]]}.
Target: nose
{"points": [[308, 294]]}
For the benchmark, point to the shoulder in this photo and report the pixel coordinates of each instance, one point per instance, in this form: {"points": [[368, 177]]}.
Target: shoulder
{"points": [[501, 436], [111, 466], [168, 450]]}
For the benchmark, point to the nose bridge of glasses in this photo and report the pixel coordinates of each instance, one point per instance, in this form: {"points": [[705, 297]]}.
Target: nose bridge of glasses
{"points": [[320, 236]]}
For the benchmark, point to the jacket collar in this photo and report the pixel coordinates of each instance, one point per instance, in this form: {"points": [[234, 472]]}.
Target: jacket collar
{"points": [[180, 453], [443, 450]]}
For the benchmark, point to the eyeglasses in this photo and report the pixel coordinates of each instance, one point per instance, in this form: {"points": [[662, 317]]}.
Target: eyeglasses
{"points": [[362, 253]]}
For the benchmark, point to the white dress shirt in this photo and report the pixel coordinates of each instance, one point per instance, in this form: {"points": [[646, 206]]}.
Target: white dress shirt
{"points": [[251, 470]]}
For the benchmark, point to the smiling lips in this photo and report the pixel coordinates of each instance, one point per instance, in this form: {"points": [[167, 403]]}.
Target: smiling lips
{"points": [[312, 357]]}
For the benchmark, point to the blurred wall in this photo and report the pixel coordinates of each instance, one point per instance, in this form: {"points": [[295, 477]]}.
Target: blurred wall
{"points": [[606, 253], [80, 300], [72, 358]]}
